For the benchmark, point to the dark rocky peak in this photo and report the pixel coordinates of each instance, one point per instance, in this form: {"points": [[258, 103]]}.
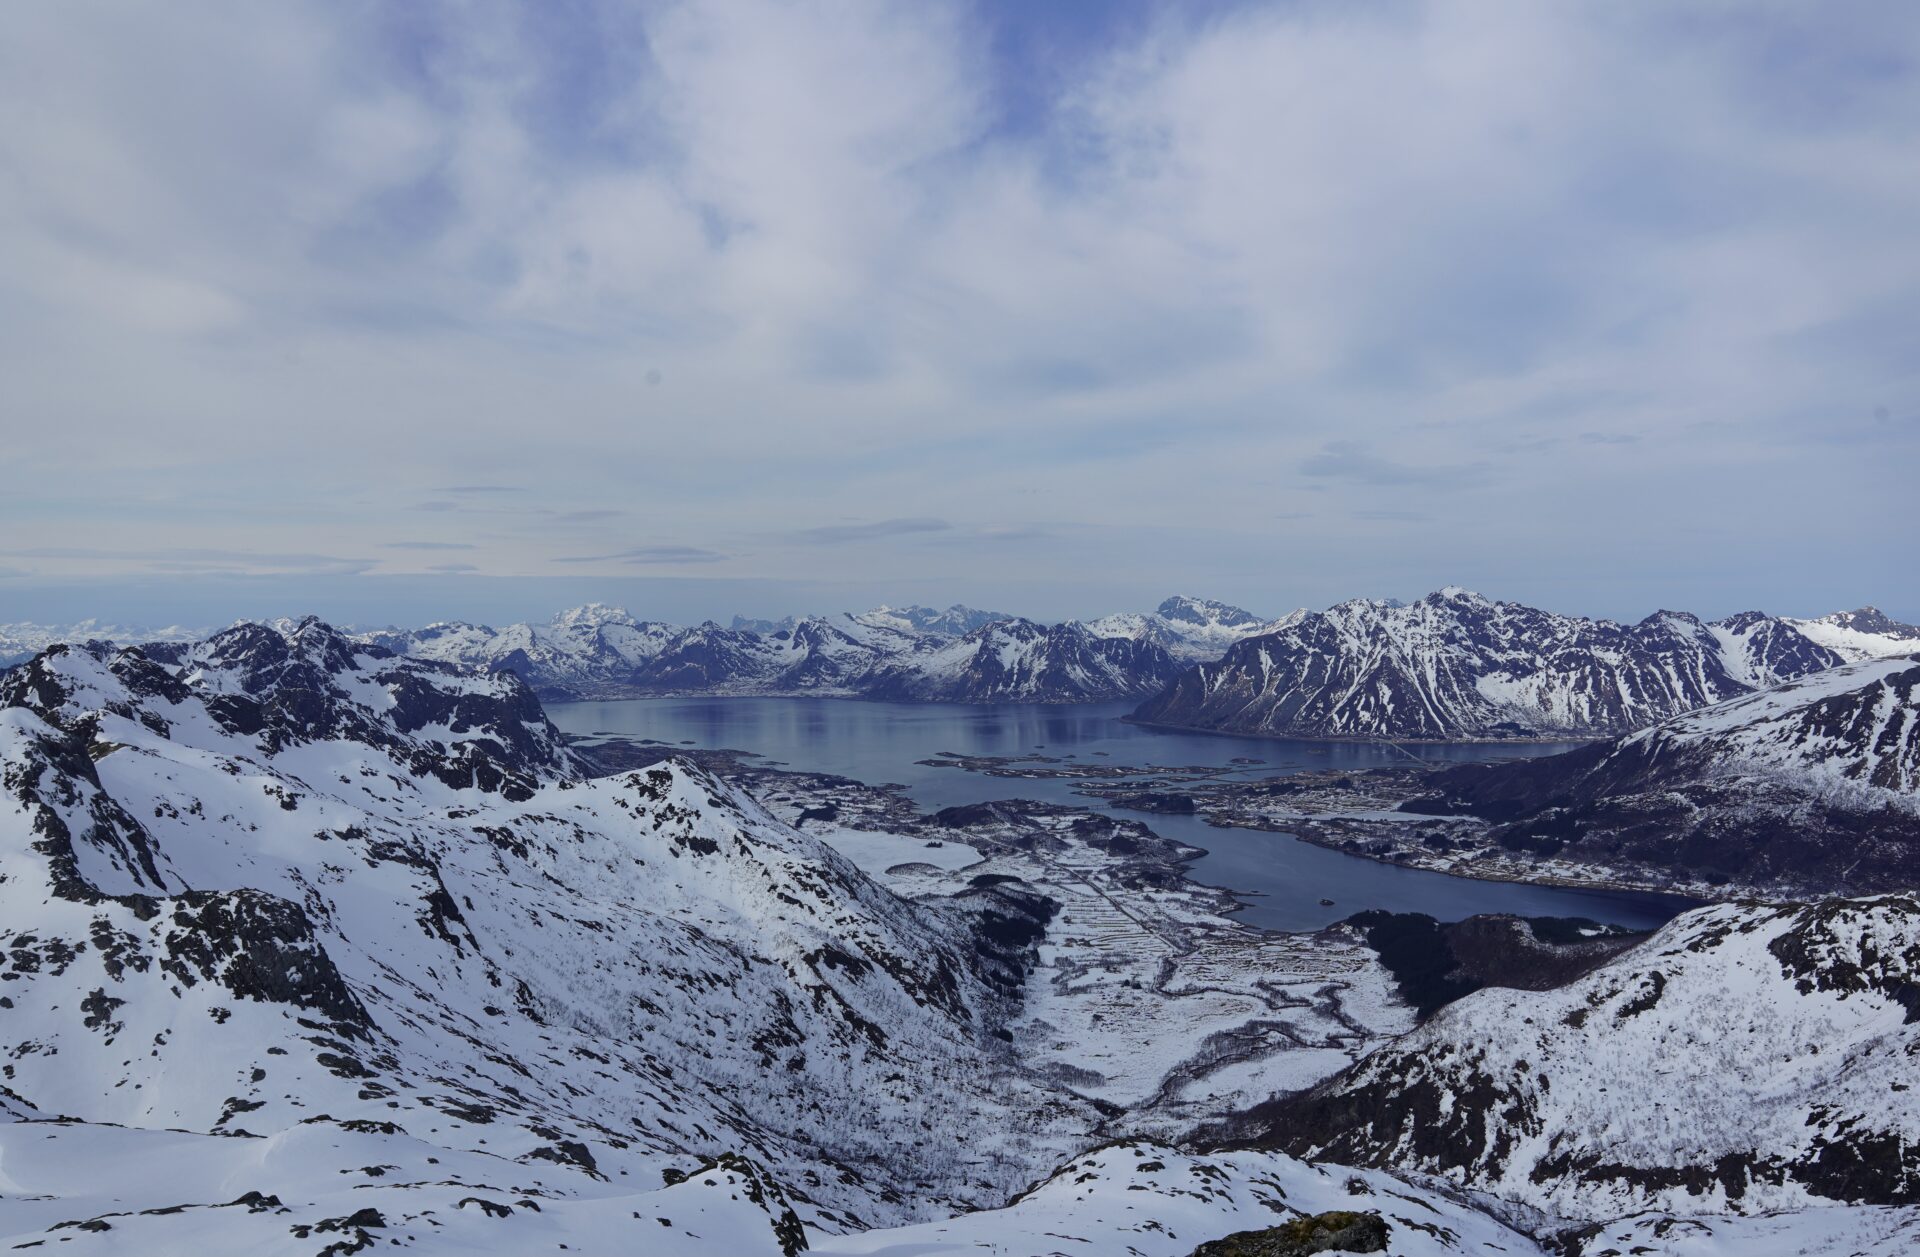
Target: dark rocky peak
{"points": [[308, 682], [815, 631], [65, 681], [46, 682], [260, 657], [1743, 621]]}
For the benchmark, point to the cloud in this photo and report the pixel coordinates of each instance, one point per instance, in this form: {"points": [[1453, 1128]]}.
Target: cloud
{"points": [[1355, 460], [734, 265], [427, 545], [452, 568], [838, 534], [189, 560], [650, 555]]}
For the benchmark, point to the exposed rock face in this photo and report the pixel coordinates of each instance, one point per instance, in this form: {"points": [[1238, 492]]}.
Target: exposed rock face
{"points": [[1438, 962], [1341, 1231], [1747, 1056], [1455, 665], [1810, 785]]}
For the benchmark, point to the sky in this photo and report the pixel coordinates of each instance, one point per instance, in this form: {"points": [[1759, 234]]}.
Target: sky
{"points": [[472, 309]]}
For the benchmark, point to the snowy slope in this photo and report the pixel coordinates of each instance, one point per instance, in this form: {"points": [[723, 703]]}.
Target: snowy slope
{"points": [[1457, 665], [1747, 1058], [1811, 786], [299, 880], [1154, 1201], [337, 1187]]}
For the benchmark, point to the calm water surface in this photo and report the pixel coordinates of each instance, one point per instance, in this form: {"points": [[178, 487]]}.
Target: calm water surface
{"points": [[1282, 878]]}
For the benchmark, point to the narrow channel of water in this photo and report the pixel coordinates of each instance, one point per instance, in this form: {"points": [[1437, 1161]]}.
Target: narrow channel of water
{"points": [[1283, 878]]}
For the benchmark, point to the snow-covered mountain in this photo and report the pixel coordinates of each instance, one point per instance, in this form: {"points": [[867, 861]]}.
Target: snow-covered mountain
{"points": [[1021, 661], [1809, 785], [911, 653], [601, 651], [298, 883], [1189, 629], [1456, 665], [308, 947], [1747, 1058]]}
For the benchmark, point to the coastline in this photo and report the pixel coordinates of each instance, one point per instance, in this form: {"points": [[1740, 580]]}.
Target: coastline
{"points": [[1562, 739]]}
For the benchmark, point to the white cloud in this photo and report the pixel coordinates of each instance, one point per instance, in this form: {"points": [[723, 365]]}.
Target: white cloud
{"points": [[739, 270]]}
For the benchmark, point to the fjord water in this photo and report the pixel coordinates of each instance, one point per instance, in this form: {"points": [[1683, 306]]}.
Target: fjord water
{"points": [[1283, 878]]}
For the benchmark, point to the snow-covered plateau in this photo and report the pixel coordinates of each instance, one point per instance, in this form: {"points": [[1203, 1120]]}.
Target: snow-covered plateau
{"points": [[310, 947]]}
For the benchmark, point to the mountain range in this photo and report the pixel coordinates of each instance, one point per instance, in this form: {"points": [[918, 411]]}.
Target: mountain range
{"points": [[1451, 666], [1455, 665], [902, 653], [310, 947]]}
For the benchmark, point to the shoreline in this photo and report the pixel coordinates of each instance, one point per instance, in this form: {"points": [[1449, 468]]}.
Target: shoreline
{"points": [[1565, 739], [1308, 834]]}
